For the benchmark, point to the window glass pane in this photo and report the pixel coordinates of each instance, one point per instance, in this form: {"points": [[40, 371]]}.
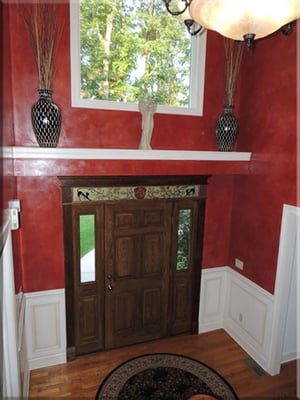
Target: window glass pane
{"points": [[184, 234], [132, 50], [87, 248]]}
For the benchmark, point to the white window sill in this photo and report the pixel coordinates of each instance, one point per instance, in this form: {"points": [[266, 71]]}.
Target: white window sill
{"points": [[121, 154]]}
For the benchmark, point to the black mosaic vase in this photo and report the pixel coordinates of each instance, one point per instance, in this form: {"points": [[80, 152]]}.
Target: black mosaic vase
{"points": [[46, 119], [226, 129]]}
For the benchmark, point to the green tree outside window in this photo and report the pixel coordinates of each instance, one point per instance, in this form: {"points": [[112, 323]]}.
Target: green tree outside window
{"points": [[132, 50]]}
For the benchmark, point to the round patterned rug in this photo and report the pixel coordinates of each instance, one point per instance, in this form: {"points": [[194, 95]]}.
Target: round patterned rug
{"points": [[163, 376]]}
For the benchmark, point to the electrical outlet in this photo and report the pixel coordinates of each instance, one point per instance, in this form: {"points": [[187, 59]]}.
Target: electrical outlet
{"points": [[240, 317], [14, 218], [239, 264]]}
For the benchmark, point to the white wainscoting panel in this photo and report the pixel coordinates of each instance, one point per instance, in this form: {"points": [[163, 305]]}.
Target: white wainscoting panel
{"points": [[24, 367], [230, 301], [212, 298], [248, 317], [45, 328]]}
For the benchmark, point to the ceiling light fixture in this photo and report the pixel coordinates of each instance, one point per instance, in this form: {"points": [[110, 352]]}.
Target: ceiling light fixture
{"points": [[236, 19]]}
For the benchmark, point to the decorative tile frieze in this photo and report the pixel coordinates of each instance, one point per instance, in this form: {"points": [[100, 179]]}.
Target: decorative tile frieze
{"points": [[134, 192]]}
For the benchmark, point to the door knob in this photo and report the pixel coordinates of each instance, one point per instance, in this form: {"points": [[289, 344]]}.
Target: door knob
{"points": [[109, 277], [109, 287]]}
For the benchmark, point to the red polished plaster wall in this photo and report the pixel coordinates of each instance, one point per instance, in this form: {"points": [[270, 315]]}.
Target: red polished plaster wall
{"points": [[7, 137], [105, 128], [268, 120], [40, 237], [8, 181]]}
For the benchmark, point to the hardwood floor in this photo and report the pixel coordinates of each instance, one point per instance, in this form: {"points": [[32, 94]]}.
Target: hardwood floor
{"points": [[81, 378]]}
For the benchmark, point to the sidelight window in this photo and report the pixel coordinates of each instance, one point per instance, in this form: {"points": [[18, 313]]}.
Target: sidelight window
{"points": [[87, 248], [184, 239]]}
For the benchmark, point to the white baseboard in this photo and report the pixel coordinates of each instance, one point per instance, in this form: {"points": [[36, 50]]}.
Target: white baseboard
{"points": [[286, 357], [45, 328], [47, 361]]}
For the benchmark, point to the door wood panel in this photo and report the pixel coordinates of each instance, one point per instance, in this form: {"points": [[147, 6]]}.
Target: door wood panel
{"points": [[137, 243]]}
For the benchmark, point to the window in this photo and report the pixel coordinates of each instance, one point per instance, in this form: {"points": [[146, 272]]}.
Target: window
{"points": [[87, 248], [184, 236], [123, 51]]}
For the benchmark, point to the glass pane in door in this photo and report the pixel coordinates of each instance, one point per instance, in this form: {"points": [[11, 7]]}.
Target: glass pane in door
{"points": [[184, 235], [87, 248]]}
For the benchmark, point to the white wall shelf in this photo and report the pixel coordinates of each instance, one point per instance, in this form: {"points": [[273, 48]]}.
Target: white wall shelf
{"points": [[121, 154]]}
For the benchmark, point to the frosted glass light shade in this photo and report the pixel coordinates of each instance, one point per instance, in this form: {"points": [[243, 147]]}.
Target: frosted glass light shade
{"points": [[235, 18]]}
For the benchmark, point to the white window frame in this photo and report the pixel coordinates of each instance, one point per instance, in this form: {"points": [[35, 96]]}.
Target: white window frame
{"points": [[197, 75]]}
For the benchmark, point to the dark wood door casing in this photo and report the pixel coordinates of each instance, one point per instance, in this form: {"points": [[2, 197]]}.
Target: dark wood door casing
{"points": [[182, 286]]}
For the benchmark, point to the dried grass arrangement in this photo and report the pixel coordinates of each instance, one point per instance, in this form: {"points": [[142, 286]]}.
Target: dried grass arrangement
{"points": [[40, 20], [233, 57]]}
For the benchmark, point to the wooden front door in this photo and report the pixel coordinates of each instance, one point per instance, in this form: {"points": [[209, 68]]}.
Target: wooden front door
{"points": [[142, 280], [137, 252]]}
